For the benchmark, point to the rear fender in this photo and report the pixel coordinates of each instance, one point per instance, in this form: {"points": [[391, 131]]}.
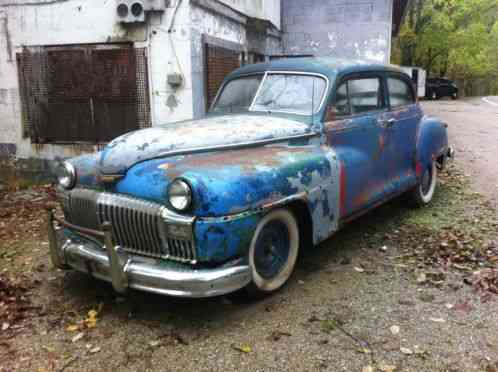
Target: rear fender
{"points": [[432, 143]]}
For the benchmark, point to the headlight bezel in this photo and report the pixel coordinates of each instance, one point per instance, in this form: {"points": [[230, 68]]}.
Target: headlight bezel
{"points": [[66, 176], [184, 186]]}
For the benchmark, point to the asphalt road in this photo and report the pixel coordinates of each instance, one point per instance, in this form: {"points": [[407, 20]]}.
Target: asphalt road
{"points": [[473, 131]]}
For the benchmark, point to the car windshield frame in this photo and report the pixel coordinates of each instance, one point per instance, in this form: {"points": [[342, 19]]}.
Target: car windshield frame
{"points": [[265, 75]]}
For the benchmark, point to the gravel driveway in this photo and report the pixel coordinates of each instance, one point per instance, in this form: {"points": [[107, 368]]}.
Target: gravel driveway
{"points": [[394, 291], [473, 128]]}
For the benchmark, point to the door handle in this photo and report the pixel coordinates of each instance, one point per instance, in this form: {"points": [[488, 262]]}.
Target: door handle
{"points": [[388, 123]]}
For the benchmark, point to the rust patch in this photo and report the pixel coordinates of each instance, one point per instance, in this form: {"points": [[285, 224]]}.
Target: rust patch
{"points": [[247, 159]]}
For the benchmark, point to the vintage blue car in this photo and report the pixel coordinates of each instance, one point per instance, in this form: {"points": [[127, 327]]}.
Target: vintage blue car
{"points": [[290, 151]]}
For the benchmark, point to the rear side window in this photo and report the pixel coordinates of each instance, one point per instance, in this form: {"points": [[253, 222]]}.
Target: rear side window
{"points": [[365, 95], [400, 92], [357, 96]]}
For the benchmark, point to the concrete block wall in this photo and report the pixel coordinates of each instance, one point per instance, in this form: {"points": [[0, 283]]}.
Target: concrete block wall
{"points": [[345, 28]]}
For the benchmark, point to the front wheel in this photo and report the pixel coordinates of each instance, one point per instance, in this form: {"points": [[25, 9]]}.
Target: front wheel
{"points": [[434, 96], [423, 193], [273, 252]]}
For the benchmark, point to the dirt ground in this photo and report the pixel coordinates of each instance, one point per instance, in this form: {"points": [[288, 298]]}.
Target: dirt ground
{"points": [[398, 290]]}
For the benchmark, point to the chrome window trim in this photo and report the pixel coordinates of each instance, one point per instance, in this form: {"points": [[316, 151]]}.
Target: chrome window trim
{"points": [[273, 72], [222, 87]]}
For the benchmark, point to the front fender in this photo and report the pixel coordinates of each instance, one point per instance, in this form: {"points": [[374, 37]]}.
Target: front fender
{"points": [[432, 142], [233, 189]]}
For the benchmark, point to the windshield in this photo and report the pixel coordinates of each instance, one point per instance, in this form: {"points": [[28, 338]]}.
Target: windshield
{"points": [[289, 93]]}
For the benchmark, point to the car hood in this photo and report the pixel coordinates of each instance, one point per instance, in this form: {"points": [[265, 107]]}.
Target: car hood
{"points": [[194, 136]]}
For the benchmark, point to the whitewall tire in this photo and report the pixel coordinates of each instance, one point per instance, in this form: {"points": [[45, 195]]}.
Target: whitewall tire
{"points": [[423, 193], [273, 252]]}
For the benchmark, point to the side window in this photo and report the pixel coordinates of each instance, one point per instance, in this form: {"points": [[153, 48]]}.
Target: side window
{"points": [[400, 93], [365, 95]]}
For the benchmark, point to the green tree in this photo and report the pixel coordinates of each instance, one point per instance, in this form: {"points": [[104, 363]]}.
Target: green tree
{"points": [[455, 37]]}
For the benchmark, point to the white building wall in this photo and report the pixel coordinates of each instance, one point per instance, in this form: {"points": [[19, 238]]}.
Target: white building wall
{"points": [[263, 9], [49, 22], [170, 53]]}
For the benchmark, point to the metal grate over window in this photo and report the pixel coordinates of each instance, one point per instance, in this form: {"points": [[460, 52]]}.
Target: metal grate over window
{"points": [[219, 63], [83, 93]]}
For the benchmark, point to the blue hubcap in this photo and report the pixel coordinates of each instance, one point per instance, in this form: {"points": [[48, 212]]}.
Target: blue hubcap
{"points": [[272, 249]]}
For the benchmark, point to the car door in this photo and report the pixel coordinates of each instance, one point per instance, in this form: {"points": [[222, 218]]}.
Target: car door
{"points": [[355, 129], [402, 122]]}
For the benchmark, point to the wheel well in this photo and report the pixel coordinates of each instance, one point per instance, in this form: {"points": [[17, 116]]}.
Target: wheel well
{"points": [[304, 221]]}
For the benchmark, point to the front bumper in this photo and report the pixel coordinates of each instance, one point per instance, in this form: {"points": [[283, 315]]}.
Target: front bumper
{"points": [[110, 263]]}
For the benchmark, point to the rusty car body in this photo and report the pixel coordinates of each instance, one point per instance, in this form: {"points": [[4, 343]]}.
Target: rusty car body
{"points": [[290, 151]]}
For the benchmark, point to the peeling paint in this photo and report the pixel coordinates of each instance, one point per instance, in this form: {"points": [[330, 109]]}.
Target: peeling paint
{"points": [[129, 149]]}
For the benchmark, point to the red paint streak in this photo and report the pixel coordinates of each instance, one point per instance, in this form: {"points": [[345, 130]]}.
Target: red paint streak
{"points": [[418, 169], [342, 192]]}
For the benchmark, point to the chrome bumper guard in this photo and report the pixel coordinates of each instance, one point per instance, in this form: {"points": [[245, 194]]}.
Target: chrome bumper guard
{"points": [[125, 271]]}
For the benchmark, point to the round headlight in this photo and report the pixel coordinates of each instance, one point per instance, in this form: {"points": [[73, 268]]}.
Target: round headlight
{"points": [[66, 175], [180, 195]]}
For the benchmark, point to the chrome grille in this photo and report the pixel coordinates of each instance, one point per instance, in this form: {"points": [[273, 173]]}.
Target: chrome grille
{"points": [[137, 224]]}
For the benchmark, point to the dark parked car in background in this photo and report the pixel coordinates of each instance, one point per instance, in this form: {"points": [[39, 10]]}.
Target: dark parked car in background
{"points": [[438, 87]]}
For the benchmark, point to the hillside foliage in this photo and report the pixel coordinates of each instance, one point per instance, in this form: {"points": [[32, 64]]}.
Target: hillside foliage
{"points": [[453, 38]]}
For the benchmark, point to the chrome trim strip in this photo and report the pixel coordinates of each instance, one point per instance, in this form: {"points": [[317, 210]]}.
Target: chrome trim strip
{"points": [[196, 150]]}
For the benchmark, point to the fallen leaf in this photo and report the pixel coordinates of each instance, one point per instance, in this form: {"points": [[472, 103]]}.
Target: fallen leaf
{"points": [[328, 325], [359, 269], [5, 326], [394, 329], [406, 351], [364, 350], [91, 320], [72, 328], [154, 343], [78, 337], [243, 349], [95, 350], [449, 306], [367, 369]]}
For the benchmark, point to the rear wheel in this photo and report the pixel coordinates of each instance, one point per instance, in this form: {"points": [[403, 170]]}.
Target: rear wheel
{"points": [[273, 252], [423, 193], [454, 96]]}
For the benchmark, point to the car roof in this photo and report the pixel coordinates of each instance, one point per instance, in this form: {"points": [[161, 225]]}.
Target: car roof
{"points": [[329, 66]]}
